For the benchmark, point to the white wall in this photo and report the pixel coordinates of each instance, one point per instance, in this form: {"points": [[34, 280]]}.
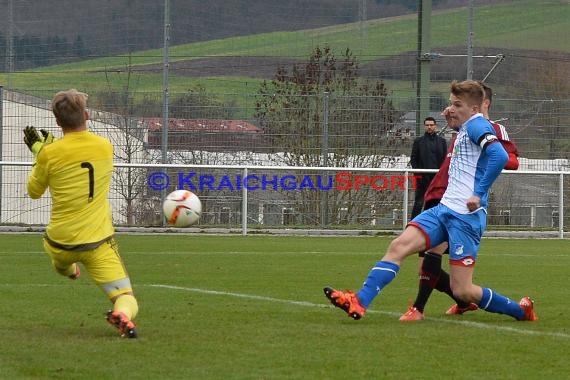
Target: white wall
{"points": [[16, 206]]}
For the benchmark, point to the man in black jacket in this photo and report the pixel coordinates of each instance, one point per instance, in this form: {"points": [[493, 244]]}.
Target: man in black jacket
{"points": [[428, 152]]}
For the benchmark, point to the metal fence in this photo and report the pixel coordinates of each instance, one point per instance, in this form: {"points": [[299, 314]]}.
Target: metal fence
{"points": [[250, 198], [306, 165], [259, 104], [310, 128]]}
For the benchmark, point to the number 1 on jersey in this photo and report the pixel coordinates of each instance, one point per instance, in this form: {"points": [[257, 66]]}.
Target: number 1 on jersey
{"points": [[89, 167]]}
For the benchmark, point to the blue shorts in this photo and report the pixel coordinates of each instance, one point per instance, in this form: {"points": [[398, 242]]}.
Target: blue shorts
{"points": [[463, 232]]}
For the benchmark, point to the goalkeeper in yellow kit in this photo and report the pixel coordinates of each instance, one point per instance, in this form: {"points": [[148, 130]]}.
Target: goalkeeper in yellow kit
{"points": [[77, 170]]}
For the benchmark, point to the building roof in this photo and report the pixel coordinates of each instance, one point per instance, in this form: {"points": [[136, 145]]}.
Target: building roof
{"points": [[203, 125]]}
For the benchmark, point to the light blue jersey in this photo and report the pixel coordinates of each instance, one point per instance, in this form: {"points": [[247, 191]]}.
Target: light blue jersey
{"points": [[476, 161], [469, 172]]}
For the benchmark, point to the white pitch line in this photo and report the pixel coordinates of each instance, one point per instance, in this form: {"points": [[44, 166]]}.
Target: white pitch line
{"points": [[478, 325], [298, 253]]}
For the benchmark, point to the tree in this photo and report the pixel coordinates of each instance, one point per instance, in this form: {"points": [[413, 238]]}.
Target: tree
{"points": [[79, 49], [323, 114], [128, 139], [197, 103]]}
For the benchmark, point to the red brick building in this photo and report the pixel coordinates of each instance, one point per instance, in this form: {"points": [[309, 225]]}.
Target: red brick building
{"points": [[214, 135]]}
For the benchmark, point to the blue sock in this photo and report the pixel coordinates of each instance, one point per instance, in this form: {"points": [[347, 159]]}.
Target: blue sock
{"points": [[497, 303], [380, 275]]}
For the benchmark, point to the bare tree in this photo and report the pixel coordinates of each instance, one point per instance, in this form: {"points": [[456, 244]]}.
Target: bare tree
{"points": [[128, 139], [324, 114]]}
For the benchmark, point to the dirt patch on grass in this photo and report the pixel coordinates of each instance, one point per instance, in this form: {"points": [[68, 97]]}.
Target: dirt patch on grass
{"points": [[254, 67], [402, 67]]}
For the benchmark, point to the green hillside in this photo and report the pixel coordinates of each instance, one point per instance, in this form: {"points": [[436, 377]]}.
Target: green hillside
{"points": [[537, 25]]}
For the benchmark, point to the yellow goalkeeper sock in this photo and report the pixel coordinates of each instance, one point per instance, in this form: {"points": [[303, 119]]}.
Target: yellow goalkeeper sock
{"points": [[127, 304]]}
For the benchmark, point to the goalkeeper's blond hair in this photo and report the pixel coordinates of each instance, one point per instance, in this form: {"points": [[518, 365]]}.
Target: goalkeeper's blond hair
{"points": [[70, 108]]}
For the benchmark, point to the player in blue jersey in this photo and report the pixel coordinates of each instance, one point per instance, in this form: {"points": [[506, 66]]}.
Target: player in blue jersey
{"points": [[431, 275], [460, 219]]}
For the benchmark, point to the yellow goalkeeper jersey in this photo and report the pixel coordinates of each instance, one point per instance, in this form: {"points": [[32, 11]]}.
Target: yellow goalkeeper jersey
{"points": [[77, 169]]}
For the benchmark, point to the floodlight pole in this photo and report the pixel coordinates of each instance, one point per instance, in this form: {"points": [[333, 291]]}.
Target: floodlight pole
{"points": [[325, 158], [10, 45], [470, 41], [423, 62], [165, 95], [165, 67], [362, 20]]}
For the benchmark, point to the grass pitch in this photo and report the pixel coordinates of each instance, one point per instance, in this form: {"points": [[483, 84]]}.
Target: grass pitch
{"points": [[233, 307]]}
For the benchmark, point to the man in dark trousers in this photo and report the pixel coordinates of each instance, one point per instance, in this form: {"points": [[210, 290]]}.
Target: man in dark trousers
{"points": [[428, 152]]}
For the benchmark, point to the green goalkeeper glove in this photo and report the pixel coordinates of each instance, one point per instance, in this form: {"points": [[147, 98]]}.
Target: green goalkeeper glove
{"points": [[48, 136], [35, 141]]}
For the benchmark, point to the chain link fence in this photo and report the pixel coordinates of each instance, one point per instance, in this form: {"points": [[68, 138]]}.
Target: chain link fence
{"points": [[257, 103], [357, 179]]}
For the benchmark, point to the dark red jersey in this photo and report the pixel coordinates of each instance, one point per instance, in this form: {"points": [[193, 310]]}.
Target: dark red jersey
{"points": [[439, 183]]}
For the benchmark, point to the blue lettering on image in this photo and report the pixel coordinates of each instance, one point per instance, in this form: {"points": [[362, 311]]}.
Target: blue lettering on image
{"points": [[207, 180], [265, 182], [288, 185], [225, 182], [185, 180], [320, 183], [306, 182], [246, 182]]}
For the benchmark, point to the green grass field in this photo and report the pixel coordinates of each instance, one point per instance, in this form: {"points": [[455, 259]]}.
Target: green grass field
{"points": [[233, 307]]}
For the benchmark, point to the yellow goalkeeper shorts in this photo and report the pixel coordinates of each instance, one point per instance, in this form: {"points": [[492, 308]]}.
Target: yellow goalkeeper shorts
{"points": [[103, 263]]}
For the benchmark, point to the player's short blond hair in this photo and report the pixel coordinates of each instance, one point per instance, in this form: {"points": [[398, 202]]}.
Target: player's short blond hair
{"points": [[69, 108], [470, 91]]}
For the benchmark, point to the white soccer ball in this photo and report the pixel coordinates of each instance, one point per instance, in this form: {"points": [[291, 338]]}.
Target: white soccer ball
{"points": [[182, 208]]}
